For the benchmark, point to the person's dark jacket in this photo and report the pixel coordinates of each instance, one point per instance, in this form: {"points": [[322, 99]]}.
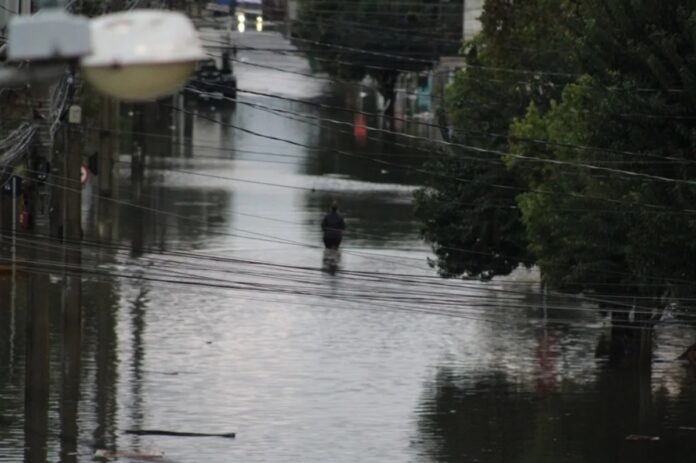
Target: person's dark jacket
{"points": [[333, 224]]}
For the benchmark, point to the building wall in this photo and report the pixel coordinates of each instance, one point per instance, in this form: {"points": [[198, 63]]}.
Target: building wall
{"points": [[275, 10], [472, 13], [292, 9]]}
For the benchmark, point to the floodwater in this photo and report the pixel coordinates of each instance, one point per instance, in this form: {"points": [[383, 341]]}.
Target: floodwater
{"points": [[208, 306]]}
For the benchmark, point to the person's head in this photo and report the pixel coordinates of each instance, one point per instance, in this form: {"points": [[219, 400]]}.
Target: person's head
{"points": [[334, 207]]}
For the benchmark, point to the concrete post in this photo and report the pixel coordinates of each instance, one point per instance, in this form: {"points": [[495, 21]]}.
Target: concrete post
{"points": [[41, 159], [72, 206], [72, 297]]}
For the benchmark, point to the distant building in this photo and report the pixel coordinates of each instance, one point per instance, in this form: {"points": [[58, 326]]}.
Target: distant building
{"points": [[275, 10], [471, 25], [472, 15], [292, 9]]}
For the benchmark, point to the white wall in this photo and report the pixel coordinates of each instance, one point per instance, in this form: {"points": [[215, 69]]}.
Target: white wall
{"points": [[292, 9], [472, 12]]}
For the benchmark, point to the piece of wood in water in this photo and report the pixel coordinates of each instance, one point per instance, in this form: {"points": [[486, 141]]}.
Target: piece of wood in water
{"points": [[642, 437], [159, 432], [144, 455]]}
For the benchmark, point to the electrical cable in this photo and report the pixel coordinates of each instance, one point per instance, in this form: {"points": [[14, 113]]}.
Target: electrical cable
{"points": [[462, 76], [391, 257], [658, 159], [228, 178], [471, 147], [536, 73], [657, 207], [385, 295], [455, 311]]}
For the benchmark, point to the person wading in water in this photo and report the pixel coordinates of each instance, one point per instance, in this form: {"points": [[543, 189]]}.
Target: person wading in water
{"points": [[333, 226]]}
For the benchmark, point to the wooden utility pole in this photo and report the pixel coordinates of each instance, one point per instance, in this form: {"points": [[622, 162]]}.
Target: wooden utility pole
{"points": [[40, 158], [72, 289], [37, 365], [72, 162]]}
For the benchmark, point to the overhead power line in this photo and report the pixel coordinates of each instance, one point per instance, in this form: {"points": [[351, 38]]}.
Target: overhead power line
{"points": [[630, 116], [477, 149], [536, 73], [649, 206], [471, 301], [270, 238], [421, 288]]}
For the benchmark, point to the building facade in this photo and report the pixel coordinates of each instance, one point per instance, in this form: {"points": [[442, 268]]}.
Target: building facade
{"points": [[471, 24]]}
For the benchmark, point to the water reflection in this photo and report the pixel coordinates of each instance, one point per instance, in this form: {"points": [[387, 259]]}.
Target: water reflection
{"points": [[373, 359], [101, 305], [137, 314], [37, 380], [71, 372], [493, 417], [331, 261]]}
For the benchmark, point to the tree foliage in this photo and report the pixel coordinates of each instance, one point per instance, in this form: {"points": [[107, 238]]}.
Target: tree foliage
{"points": [[608, 100], [571, 227], [469, 212], [639, 108], [399, 35]]}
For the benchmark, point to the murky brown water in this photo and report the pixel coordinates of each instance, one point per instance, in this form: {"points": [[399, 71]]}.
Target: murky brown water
{"points": [[219, 316]]}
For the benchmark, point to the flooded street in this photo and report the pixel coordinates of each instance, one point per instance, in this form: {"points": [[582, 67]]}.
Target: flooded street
{"points": [[208, 307]]}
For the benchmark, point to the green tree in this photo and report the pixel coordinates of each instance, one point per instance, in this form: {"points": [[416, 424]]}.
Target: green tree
{"points": [[572, 229], [399, 35], [523, 54], [640, 108]]}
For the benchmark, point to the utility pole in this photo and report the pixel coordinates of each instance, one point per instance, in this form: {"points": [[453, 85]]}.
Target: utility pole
{"points": [[72, 290], [40, 159], [72, 165], [37, 377]]}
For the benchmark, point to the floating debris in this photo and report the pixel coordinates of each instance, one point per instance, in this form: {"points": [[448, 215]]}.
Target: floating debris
{"points": [[144, 455], [159, 432], [642, 437]]}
